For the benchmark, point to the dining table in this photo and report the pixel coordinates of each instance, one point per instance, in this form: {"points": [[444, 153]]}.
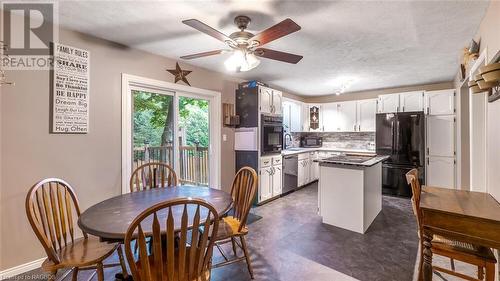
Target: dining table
{"points": [[467, 216], [110, 219]]}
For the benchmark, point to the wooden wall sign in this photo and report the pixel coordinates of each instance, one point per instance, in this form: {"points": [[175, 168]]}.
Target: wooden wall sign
{"points": [[69, 90]]}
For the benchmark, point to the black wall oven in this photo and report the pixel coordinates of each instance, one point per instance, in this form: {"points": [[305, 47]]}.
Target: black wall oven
{"points": [[271, 134]]}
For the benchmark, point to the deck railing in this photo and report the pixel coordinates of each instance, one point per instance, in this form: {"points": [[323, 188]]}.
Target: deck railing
{"points": [[193, 161]]}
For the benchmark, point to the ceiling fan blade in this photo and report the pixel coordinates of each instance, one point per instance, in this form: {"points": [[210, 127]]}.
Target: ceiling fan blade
{"points": [[276, 31], [277, 55], [198, 25], [204, 54]]}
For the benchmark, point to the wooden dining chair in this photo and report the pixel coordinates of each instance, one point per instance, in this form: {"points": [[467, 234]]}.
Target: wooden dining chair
{"points": [[51, 205], [234, 227], [152, 175], [177, 253], [479, 256]]}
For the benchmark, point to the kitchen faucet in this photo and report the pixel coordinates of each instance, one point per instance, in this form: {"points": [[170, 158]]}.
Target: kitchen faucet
{"points": [[288, 140]]}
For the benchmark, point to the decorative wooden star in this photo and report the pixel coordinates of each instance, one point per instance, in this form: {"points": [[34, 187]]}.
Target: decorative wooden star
{"points": [[180, 75]]}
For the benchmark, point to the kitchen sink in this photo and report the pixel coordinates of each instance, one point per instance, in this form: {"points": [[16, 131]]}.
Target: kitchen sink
{"points": [[294, 149]]}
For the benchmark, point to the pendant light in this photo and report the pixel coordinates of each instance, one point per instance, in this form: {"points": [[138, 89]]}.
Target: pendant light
{"points": [[241, 61]]}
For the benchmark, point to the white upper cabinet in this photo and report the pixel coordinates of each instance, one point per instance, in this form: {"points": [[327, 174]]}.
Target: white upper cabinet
{"points": [[441, 136], [287, 126], [304, 117], [266, 99], [366, 111], [388, 103], [292, 113], [295, 117], [346, 115], [271, 101], [411, 101], [440, 102], [277, 102], [330, 119]]}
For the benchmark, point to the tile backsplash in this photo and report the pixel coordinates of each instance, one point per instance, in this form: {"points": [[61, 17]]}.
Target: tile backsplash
{"points": [[341, 140]]}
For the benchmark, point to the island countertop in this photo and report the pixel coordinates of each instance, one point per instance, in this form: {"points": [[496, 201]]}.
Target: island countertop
{"points": [[332, 161]]}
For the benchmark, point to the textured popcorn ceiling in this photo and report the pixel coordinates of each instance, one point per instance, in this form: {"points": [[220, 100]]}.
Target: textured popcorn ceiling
{"points": [[376, 44]]}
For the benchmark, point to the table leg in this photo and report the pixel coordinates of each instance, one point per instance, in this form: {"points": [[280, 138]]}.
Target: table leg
{"points": [[427, 266]]}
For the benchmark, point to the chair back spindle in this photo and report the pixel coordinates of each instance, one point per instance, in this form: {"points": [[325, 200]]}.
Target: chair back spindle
{"points": [[181, 256], [50, 207], [152, 175], [243, 192], [412, 179]]}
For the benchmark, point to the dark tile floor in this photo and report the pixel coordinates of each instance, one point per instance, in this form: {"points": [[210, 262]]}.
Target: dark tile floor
{"points": [[291, 243]]}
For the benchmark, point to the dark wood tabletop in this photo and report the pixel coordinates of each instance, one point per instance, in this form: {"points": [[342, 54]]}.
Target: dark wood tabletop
{"points": [[466, 203], [472, 217], [111, 218]]}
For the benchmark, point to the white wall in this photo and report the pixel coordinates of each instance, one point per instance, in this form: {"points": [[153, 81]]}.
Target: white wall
{"points": [[489, 35]]}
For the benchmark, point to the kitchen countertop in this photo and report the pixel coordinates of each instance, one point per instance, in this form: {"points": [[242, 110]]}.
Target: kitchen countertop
{"points": [[298, 150], [329, 162]]}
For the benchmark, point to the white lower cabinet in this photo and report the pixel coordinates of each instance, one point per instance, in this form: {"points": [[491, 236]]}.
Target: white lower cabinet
{"points": [[303, 172], [314, 166], [308, 170], [441, 171], [265, 183], [270, 178], [277, 180]]}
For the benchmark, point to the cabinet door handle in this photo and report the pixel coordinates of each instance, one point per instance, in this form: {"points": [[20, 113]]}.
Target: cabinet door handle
{"points": [[355, 127]]}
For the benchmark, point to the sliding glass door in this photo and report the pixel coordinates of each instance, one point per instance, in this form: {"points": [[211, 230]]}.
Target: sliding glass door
{"points": [[172, 128], [194, 140], [153, 127]]}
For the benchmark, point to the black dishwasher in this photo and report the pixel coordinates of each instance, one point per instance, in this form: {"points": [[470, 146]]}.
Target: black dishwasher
{"points": [[290, 173]]}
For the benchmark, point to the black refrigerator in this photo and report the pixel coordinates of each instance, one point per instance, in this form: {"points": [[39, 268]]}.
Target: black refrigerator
{"points": [[401, 136]]}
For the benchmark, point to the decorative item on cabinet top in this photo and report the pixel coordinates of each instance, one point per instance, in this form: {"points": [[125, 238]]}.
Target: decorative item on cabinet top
{"points": [[489, 78], [230, 119]]}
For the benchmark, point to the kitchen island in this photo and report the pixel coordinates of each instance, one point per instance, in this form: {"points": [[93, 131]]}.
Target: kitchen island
{"points": [[350, 190]]}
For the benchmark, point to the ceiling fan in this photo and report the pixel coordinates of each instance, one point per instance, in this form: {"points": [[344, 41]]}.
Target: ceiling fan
{"points": [[245, 46]]}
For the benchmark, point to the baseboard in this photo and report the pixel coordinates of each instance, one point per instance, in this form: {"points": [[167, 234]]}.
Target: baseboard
{"points": [[16, 270]]}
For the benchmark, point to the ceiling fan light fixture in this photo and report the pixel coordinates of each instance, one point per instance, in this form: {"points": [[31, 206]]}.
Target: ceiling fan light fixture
{"points": [[241, 61]]}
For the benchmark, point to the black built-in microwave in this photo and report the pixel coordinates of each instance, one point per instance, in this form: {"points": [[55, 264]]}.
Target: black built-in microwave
{"points": [[311, 141], [272, 134]]}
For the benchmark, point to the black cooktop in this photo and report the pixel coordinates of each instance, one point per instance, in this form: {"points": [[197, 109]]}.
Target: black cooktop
{"points": [[349, 158]]}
